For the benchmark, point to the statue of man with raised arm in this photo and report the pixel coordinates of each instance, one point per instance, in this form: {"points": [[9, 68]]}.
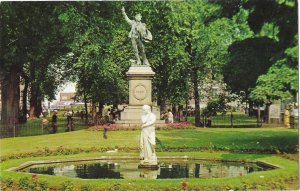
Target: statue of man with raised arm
{"points": [[138, 34]]}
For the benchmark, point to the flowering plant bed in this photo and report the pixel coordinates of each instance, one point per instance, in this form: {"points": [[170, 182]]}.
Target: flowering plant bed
{"points": [[116, 127]]}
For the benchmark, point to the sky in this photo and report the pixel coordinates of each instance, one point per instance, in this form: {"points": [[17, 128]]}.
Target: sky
{"points": [[68, 87]]}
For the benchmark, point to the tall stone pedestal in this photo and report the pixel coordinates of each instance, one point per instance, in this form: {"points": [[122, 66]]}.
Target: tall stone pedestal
{"points": [[140, 93]]}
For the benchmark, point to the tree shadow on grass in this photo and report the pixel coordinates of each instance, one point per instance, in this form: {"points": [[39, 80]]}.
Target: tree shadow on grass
{"points": [[259, 142], [239, 156]]}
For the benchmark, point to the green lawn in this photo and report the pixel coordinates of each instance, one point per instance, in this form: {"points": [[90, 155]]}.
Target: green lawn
{"points": [[216, 143], [239, 140]]}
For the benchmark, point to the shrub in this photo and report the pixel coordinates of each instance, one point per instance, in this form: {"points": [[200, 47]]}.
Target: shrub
{"points": [[24, 183], [43, 185], [86, 188], [67, 186], [7, 182]]}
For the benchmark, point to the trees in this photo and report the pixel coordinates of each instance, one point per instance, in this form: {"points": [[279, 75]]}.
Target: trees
{"points": [[96, 43], [274, 24], [12, 59], [166, 55], [31, 46], [206, 37], [248, 59], [191, 39], [188, 21], [281, 80], [45, 47]]}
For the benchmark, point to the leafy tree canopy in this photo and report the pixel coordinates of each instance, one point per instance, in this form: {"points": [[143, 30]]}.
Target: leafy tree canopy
{"points": [[247, 61]]}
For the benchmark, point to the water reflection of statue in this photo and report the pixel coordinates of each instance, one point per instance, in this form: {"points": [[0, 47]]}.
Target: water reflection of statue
{"points": [[149, 174], [147, 140], [138, 34]]}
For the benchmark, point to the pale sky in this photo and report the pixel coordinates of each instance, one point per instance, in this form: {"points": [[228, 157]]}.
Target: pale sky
{"points": [[68, 87]]}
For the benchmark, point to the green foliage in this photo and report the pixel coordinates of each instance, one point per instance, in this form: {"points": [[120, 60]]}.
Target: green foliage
{"points": [[229, 8], [24, 183], [270, 30], [67, 186], [276, 20], [86, 188], [94, 42], [8, 182], [247, 61], [88, 43], [217, 105], [34, 184], [281, 82], [280, 12]]}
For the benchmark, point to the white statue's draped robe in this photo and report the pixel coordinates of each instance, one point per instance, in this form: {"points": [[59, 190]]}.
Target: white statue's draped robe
{"points": [[147, 140]]}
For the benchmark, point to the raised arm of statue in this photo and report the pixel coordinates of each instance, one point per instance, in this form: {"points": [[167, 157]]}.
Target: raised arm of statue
{"points": [[125, 16]]}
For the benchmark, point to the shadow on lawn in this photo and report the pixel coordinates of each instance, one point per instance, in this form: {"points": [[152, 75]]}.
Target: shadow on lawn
{"points": [[236, 141], [246, 157]]}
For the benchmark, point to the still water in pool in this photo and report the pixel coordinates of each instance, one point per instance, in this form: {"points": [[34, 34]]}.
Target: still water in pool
{"points": [[128, 169]]}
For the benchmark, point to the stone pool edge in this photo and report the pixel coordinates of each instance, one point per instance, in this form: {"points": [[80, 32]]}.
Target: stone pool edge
{"points": [[31, 163]]}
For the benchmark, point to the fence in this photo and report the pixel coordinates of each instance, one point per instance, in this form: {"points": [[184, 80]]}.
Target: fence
{"points": [[232, 121], [242, 121], [36, 127]]}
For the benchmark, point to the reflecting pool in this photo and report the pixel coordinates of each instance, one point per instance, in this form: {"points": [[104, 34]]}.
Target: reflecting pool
{"points": [[128, 169]]}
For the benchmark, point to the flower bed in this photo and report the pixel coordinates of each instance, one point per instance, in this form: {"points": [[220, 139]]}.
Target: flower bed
{"points": [[116, 127]]}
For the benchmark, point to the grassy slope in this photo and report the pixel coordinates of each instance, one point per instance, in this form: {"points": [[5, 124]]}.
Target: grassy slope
{"points": [[225, 139]]}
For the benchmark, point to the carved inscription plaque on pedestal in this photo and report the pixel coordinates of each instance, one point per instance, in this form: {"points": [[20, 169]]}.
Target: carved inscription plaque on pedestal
{"points": [[140, 92]]}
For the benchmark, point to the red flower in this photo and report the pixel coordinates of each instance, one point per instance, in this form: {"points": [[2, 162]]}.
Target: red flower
{"points": [[184, 184], [34, 176]]}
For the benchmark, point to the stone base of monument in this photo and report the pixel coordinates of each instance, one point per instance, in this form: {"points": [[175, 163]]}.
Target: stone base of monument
{"points": [[131, 116], [150, 167], [140, 93]]}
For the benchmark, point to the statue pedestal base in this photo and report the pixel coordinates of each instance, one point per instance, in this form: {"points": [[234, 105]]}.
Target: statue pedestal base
{"points": [[148, 166], [140, 93], [131, 116]]}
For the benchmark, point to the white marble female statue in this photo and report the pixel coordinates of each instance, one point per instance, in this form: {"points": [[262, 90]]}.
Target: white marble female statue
{"points": [[147, 140], [138, 34]]}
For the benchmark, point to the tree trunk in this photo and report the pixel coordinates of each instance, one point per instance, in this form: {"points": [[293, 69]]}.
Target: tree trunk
{"points": [[266, 114], [174, 111], [39, 108], [10, 97], [250, 108], [35, 101], [94, 118], [101, 108], [197, 99], [186, 109], [24, 100], [180, 113], [162, 104], [258, 116], [85, 106]]}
